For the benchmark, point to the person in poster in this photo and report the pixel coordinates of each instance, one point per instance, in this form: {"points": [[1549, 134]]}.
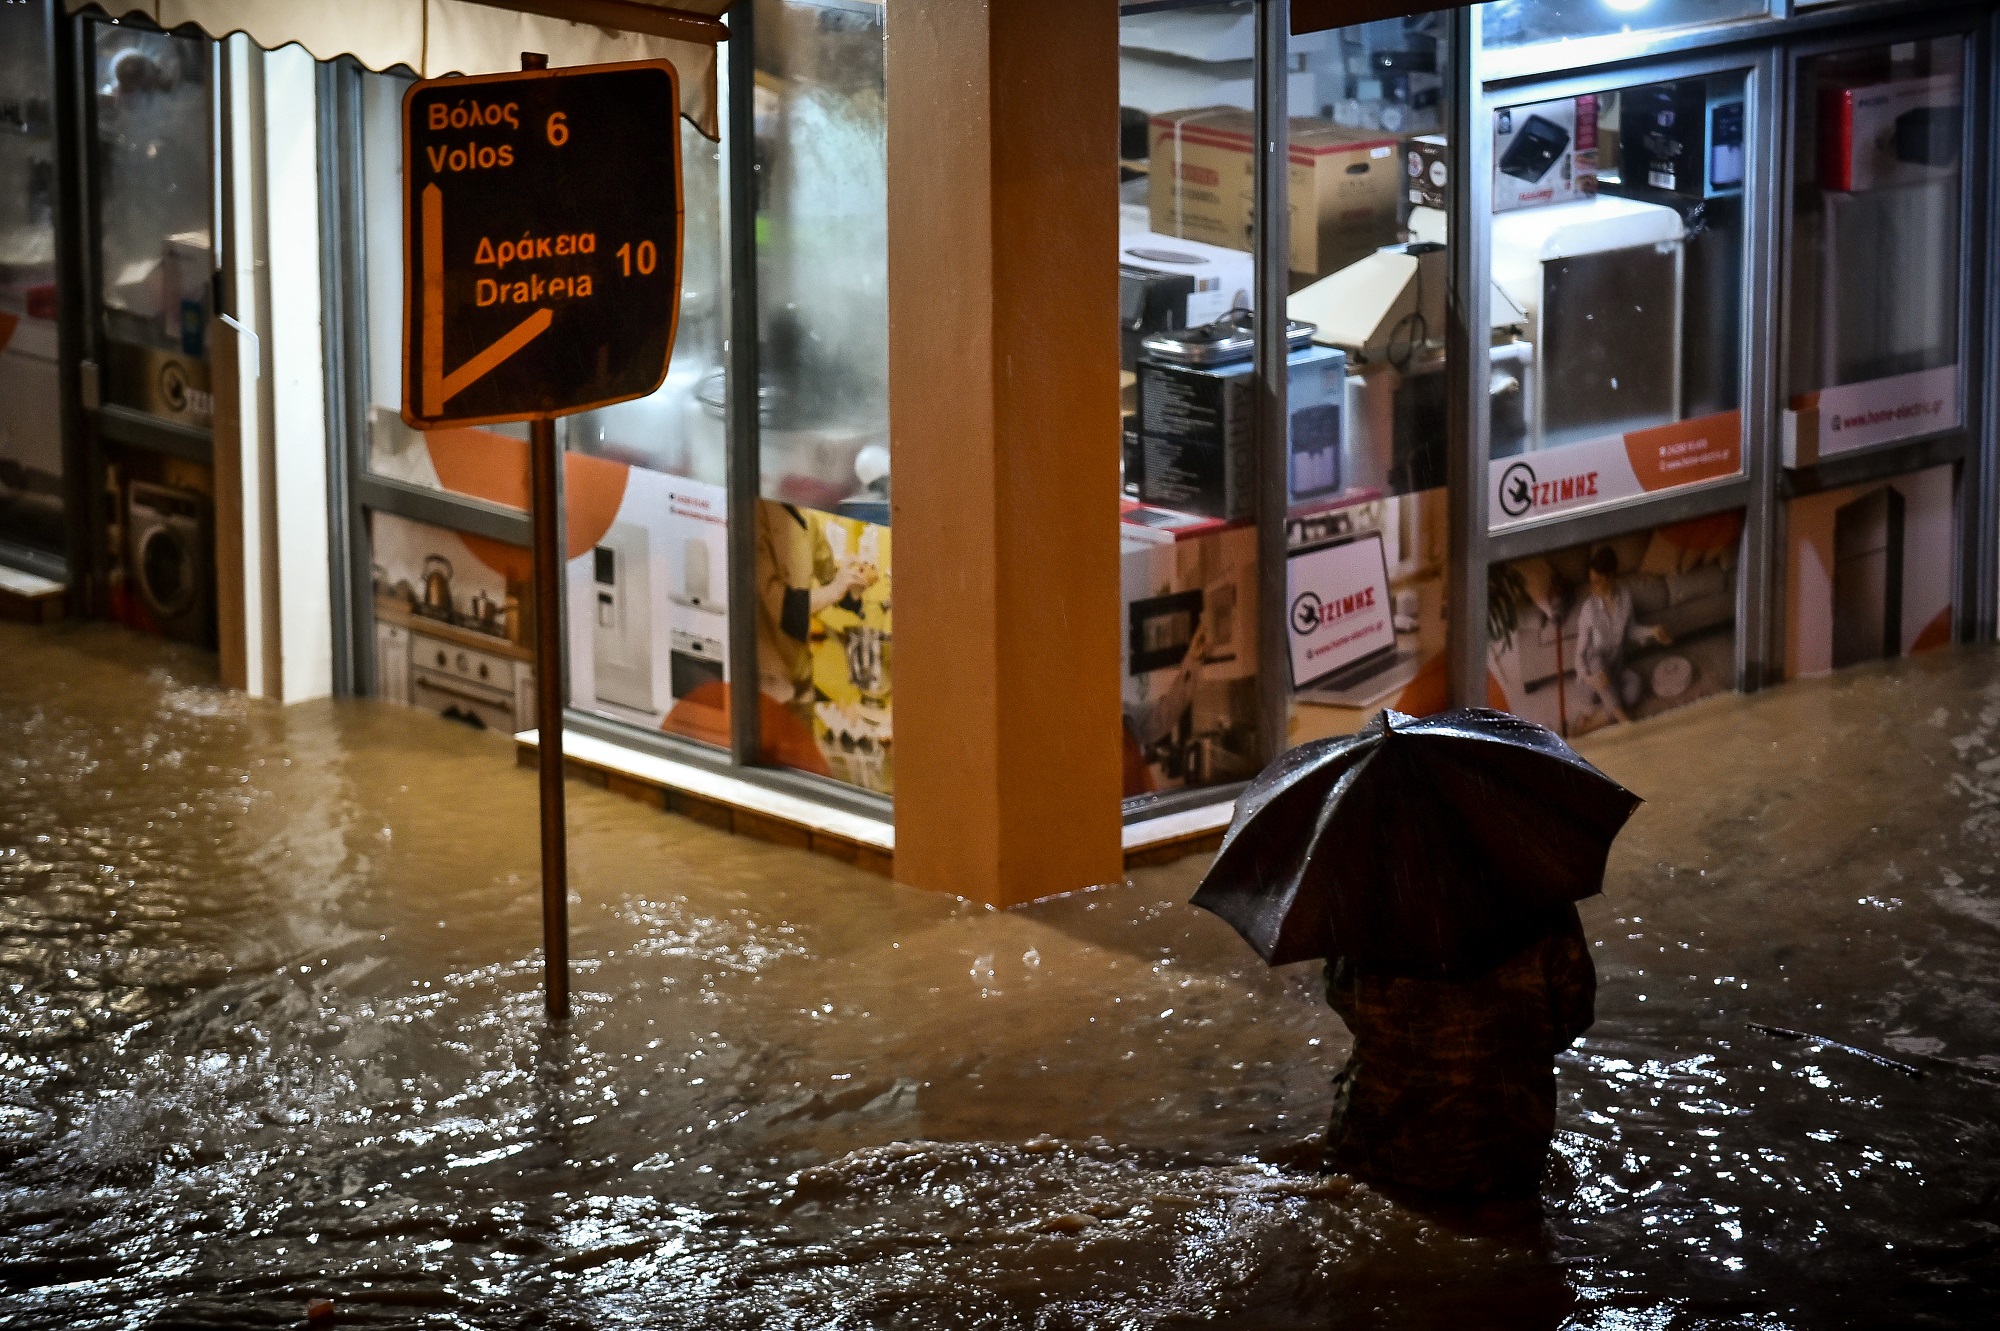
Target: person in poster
{"points": [[1604, 630], [797, 578]]}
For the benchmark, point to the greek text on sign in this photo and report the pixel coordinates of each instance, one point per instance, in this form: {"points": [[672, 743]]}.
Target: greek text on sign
{"points": [[542, 241], [1337, 602], [1619, 466]]}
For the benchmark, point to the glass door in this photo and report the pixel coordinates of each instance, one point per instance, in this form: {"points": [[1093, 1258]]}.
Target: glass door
{"points": [[149, 123], [31, 443]]}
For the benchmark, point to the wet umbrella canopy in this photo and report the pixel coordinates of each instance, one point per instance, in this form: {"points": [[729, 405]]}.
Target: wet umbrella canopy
{"points": [[1415, 847]]}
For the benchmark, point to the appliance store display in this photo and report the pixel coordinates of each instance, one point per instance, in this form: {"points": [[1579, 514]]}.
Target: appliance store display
{"points": [[1196, 424], [1386, 315], [1681, 138], [1544, 152], [1344, 186], [1869, 572], [172, 547], [1166, 283], [1904, 132], [621, 637], [1591, 294]]}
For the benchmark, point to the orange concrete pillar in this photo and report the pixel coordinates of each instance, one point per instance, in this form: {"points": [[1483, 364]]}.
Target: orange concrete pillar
{"points": [[1003, 413]]}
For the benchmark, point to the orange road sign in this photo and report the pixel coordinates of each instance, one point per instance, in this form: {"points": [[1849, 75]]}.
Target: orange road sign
{"points": [[542, 241]]}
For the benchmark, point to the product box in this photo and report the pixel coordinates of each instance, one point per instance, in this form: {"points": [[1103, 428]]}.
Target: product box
{"points": [[1424, 171], [1167, 282], [1901, 133], [1197, 433], [1544, 152], [1672, 137], [1343, 187]]}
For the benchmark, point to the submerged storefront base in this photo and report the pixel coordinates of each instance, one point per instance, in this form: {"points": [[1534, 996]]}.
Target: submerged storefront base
{"points": [[1574, 416]]}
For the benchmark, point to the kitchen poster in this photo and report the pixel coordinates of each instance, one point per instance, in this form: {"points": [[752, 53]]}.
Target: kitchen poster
{"points": [[824, 636], [1617, 630], [453, 629], [1869, 572], [1620, 466], [648, 607]]}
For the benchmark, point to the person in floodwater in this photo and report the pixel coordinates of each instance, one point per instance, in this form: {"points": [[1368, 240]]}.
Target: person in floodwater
{"points": [[1451, 1088]]}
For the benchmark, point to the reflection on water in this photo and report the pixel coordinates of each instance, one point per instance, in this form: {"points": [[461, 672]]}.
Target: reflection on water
{"points": [[271, 1031]]}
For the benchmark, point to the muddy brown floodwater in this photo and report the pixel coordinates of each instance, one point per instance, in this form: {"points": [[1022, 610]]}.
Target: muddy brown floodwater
{"points": [[271, 1030]]}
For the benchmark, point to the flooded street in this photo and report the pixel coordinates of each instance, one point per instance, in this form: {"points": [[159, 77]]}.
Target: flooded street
{"points": [[271, 1026]]}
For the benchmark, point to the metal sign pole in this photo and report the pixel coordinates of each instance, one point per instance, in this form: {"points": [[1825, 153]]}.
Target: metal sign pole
{"points": [[549, 716], [544, 220], [544, 496]]}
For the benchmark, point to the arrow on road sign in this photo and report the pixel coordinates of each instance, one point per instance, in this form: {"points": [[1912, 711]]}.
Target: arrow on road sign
{"points": [[440, 387]]}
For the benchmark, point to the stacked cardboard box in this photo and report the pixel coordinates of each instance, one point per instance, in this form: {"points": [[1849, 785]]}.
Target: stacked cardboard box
{"points": [[1344, 185]]}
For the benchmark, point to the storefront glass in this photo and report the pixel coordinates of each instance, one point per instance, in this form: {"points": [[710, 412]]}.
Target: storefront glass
{"points": [[1188, 539], [1617, 302], [645, 503], [824, 631], [1617, 630], [31, 457], [1876, 256], [1367, 530], [1505, 23], [154, 184]]}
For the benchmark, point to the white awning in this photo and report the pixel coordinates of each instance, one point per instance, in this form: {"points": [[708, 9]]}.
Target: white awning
{"points": [[437, 37]]}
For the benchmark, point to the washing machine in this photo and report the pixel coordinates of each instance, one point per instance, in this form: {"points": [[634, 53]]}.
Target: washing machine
{"points": [[172, 545]]}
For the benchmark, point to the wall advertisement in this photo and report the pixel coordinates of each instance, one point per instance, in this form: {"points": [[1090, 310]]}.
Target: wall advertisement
{"points": [[1385, 634], [1833, 421], [1620, 466], [1616, 631], [648, 607], [1188, 652], [1869, 572], [824, 644]]}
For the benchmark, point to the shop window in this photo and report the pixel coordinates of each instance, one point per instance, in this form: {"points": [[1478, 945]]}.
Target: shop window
{"points": [[1367, 530], [1617, 301], [152, 107], [1616, 631], [1188, 539], [31, 462], [823, 569], [1876, 253], [645, 500], [1504, 23]]}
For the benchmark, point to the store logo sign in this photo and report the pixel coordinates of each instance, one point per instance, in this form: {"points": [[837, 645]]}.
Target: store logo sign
{"points": [[1310, 613], [1521, 490]]}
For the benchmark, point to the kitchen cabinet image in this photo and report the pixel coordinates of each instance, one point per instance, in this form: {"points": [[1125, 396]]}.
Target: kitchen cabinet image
{"points": [[450, 635]]}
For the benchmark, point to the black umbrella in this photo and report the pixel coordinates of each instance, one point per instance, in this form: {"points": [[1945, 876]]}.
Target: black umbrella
{"points": [[1416, 847]]}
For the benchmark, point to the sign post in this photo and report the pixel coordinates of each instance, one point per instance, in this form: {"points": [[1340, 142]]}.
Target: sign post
{"points": [[542, 222]]}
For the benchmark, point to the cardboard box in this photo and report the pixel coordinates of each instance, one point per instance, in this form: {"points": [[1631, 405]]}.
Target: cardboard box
{"points": [[1673, 137], [1343, 188], [1197, 433], [1424, 171], [1544, 152], [1901, 133]]}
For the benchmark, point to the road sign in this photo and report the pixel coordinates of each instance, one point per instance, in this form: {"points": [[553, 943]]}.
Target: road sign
{"points": [[541, 241]]}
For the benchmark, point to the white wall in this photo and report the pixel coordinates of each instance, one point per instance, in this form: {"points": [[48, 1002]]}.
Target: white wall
{"points": [[272, 196]]}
